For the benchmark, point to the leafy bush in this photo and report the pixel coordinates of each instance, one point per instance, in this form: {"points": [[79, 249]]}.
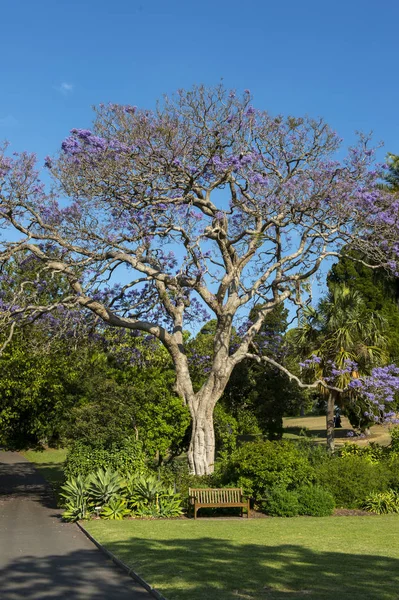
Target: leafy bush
{"points": [[126, 457], [392, 466], [372, 453], [382, 502], [280, 502], [395, 439], [352, 479], [260, 466], [176, 475], [315, 501]]}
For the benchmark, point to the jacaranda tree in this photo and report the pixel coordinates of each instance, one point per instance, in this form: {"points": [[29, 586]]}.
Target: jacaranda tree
{"points": [[205, 204]]}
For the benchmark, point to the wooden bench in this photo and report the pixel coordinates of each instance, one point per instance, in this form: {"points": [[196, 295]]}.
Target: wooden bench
{"points": [[217, 498]]}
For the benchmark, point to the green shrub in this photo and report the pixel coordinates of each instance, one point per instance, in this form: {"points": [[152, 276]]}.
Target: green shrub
{"points": [[372, 453], [351, 479], [125, 457], [176, 475], [315, 501], [260, 466], [382, 502], [280, 502], [392, 466], [395, 439]]}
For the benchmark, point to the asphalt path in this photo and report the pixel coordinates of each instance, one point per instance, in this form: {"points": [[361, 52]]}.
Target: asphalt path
{"points": [[41, 557]]}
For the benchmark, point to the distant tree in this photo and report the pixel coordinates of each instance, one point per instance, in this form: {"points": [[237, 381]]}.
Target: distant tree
{"points": [[379, 291], [341, 331], [261, 390], [392, 176]]}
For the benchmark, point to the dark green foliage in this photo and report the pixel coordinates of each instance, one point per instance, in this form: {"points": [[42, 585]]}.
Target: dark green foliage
{"points": [[125, 400], [314, 501], [280, 502], [176, 475], [395, 439], [38, 386], [379, 291], [260, 466], [126, 457], [226, 430], [258, 395], [392, 466], [392, 176], [352, 479]]}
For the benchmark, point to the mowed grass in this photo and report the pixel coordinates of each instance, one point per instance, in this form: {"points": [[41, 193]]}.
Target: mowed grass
{"points": [[329, 558], [315, 427], [49, 463]]}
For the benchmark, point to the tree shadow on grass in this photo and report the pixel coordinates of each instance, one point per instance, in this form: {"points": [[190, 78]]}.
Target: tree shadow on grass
{"points": [[77, 575], [221, 570]]}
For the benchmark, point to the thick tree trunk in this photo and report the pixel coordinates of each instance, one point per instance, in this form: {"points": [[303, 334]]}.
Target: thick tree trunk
{"points": [[201, 453], [330, 421]]}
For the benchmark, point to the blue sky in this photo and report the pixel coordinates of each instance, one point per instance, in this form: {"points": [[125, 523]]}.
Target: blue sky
{"points": [[332, 59]]}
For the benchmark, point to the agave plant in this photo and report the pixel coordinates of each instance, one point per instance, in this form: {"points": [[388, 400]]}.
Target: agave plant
{"points": [[147, 511], [170, 505], [105, 485], [75, 489], [76, 493], [147, 490], [115, 510]]}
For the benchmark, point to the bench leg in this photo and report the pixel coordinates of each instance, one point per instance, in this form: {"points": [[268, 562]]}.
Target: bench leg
{"points": [[248, 509], [195, 511]]}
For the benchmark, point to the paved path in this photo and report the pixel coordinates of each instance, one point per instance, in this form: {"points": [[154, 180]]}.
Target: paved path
{"points": [[42, 558]]}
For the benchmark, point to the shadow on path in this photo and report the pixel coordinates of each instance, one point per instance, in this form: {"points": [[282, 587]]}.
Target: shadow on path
{"points": [[68, 577], [43, 558]]}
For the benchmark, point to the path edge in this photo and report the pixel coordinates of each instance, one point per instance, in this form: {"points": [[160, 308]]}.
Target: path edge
{"points": [[130, 571]]}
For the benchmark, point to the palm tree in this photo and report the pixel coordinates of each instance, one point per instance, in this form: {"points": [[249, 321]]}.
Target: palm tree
{"points": [[341, 331]]}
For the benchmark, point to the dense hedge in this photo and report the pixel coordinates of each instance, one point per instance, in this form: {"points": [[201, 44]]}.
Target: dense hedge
{"points": [[126, 457], [351, 479]]}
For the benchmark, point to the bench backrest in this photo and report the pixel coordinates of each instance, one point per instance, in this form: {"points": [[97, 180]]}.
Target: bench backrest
{"points": [[216, 495]]}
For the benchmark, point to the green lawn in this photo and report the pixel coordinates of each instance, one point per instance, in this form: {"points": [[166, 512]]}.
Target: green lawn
{"points": [[330, 558], [49, 463], [315, 427]]}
